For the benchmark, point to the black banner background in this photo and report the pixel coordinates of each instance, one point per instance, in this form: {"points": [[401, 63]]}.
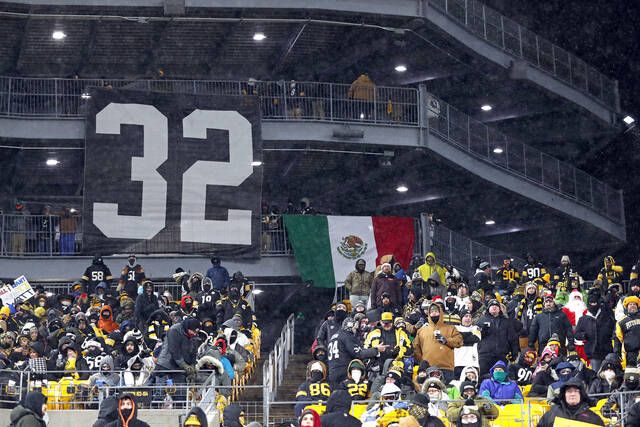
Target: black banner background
{"points": [[107, 172]]}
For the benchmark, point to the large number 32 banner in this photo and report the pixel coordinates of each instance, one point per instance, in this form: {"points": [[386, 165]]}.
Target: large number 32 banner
{"points": [[172, 173]]}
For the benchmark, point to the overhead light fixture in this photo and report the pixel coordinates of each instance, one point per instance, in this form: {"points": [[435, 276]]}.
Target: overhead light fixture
{"points": [[257, 291], [259, 37], [73, 210], [402, 188], [628, 120], [52, 162], [498, 150], [489, 222], [256, 163], [85, 95], [401, 68], [58, 35], [486, 107]]}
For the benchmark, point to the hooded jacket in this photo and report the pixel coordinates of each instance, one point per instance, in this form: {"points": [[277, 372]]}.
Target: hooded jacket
{"points": [[29, 412], [359, 283], [338, 407], [108, 412], [612, 275], [427, 270], [496, 390], [178, 349], [124, 420], [600, 385], [231, 416], [426, 347], [109, 379], [560, 409], [389, 284], [145, 306], [108, 325], [199, 414]]}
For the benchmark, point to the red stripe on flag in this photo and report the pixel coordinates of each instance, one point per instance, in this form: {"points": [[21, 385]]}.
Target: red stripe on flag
{"points": [[394, 235]]}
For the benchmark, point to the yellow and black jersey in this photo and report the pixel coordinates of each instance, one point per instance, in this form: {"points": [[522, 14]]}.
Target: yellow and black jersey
{"points": [[130, 279], [535, 271], [313, 391], [628, 333], [507, 275], [358, 391]]}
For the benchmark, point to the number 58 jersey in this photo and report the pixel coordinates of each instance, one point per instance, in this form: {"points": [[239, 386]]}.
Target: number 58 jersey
{"points": [[95, 274]]}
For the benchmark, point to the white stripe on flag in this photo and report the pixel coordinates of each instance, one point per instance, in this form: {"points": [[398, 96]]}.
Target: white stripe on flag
{"points": [[351, 238]]}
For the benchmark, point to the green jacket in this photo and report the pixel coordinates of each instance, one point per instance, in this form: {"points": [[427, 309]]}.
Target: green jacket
{"points": [[488, 410], [359, 283]]}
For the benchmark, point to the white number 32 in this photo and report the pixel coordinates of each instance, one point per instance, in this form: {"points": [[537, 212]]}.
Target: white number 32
{"points": [[193, 225]]}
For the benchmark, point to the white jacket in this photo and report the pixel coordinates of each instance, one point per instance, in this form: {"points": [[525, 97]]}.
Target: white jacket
{"points": [[467, 355]]}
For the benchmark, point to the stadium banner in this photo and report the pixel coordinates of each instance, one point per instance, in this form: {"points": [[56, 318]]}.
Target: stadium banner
{"points": [[172, 173], [20, 291], [326, 247]]}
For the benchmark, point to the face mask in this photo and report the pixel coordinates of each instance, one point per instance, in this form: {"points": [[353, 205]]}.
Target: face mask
{"points": [[609, 374], [356, 374], [316, 376], [341, 315], [499, 376], [434, 395], [421, 379], [126, 413], [435, 319], [321, 357], [66, 303], [632, 384], [6, 345], [132, 261], [105, 314]]}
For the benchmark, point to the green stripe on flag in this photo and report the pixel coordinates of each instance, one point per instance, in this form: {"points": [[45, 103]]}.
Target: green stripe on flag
{"points": [[309, 237]]}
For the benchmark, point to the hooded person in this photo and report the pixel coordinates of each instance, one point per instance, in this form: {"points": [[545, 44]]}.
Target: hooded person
{"points": [[528, 307], [31, 412], [196, 418], [609, 274], [337, 414], [138, 371], [542, 376], [308, 418], [564, 371], [469, 393], [435, 342], [127, 410], [467, 354], [438, 398], [594, 331], [609, 377], [108, 412], [106, 322], [187, 305], [357, 384], [571, 404], [358, 283], [499, 387], [146, 304], [106, 376], [522, 369], [315, 388], [331, 325], [624, 396], [179, 351], [386, 282], [430, 266]]}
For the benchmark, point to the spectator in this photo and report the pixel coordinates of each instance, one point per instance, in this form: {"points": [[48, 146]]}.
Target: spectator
{"points": [[395, 339], [315, 388], [594, 331], [338, 407], [499, 387], [386, 282], [127, 413], [627, 334], [486, 408], [108, 412], [575, 308], [179, 352], [308, 418], [522, 370], [96, 273], [196, 418], [626, 395], [357, 384], [552, 320], [435, 342], [219, 275], [572, 403], [499, 340], [131, 278], [467, 354], [68, 225], [44, 230], [527, 309], [430, 266], [17, 228], [358, 283], [482, 280], [565, 277], [507, 277], [534, 269], [31, 412], [564, 371], [419, 413], [146, 304], [609, 274], [609, 377]]}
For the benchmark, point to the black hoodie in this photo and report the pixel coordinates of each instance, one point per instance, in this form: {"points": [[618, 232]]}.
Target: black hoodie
{"points": [[580, 412], [131, 420], [108, 412], [231, 416], [199, 413], [337, 414]]}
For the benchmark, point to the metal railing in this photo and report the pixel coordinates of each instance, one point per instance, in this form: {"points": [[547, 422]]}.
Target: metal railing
{"points": [[518, 41], [343, 103], [458, 250], [275, 365]]}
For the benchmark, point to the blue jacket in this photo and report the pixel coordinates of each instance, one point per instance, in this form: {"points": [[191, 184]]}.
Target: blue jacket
{"points": [[495, 390], [219, 277]]}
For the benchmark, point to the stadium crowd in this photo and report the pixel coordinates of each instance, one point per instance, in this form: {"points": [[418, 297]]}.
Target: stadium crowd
{"points": [[117, 344], [423, 346]]}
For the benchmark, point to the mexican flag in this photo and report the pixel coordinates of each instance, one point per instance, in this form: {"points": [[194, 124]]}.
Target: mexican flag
{"points": [[326, 247]]}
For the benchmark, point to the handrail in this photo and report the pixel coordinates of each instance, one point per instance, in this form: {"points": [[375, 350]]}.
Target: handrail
{"points": [[276, 364], [333, 102], [518, 41]]}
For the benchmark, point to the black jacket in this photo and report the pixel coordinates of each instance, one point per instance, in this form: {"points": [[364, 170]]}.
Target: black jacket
{"points": [[108, 412], [177, 349], [579, 413], [499, 336], [326, 331], [337, 414], [145, 306], [199, 413], [547, 323], [596, 332], [343, 348]]}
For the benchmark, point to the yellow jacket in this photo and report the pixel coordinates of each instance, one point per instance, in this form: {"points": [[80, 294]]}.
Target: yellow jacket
{"points": [[427, 270]]}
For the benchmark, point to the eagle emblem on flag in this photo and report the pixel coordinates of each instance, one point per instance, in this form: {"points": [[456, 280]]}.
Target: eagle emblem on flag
{"points": [[352, 247]]}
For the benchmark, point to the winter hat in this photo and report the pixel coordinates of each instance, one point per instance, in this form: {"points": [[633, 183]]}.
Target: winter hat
{"points": [[483, 265], [631, 300], [565, 258], [40, 312], [464, 385], [395, 375], [493, 302], [421, 399], [554, 340]]}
